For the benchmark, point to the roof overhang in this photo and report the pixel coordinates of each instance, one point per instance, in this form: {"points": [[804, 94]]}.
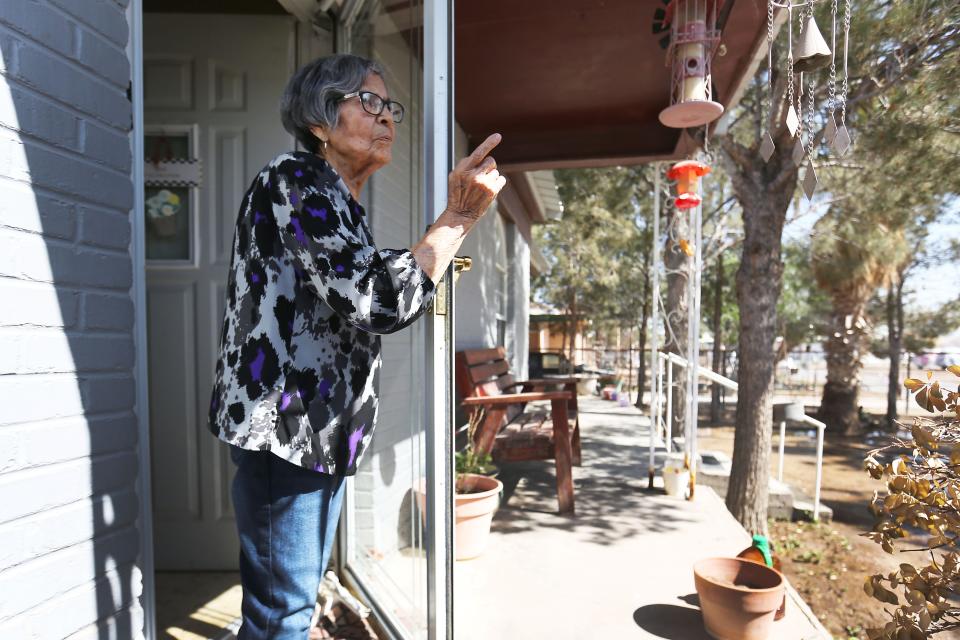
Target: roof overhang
{"points": [[577, 83]]}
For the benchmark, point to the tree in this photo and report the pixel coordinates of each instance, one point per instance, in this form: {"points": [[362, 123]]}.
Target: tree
{"points": [[876, 225], [851, 258], [764, 191], [595, 252], [892, 41]]}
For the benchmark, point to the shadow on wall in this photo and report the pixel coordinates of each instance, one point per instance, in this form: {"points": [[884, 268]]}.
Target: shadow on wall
{"points": [[65, 234]]}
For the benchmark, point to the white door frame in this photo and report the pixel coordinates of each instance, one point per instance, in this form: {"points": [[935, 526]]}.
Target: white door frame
{"points": [[438, 396], [139, 294]]}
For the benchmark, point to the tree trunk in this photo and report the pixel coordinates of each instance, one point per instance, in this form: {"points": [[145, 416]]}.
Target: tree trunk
{"points": [[644, 318], [839, 407], [764, 191], [573, 332], [717, 341], [895, 347], [678, 266]]}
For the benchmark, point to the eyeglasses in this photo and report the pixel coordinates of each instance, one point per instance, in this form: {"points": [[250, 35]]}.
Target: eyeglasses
{"points": [[374, 104]]}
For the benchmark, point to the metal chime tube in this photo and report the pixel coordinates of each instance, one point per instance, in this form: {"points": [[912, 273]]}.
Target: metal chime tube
{"points": [[655, 380]]}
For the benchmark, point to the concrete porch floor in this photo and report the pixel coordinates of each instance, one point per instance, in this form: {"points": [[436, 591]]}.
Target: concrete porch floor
{"points": [[621, 568]]}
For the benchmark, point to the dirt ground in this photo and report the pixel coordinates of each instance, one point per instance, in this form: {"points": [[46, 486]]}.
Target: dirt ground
{"points": [[827, 563]]}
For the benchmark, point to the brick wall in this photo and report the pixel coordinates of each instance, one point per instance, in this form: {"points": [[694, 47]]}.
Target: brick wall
{"points": [[68, 466]]}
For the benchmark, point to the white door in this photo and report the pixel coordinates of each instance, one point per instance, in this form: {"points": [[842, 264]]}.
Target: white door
{"points": [[212, 85]]}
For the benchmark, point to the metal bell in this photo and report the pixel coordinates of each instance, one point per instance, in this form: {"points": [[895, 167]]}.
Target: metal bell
{"points": [[812, 51]]}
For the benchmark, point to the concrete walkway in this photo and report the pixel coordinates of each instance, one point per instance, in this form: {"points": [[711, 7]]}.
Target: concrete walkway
{"points": [[621, 568]]}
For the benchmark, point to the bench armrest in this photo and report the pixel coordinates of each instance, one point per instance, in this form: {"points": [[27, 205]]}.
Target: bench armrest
{"points": [[570, 380], [516, 398]]}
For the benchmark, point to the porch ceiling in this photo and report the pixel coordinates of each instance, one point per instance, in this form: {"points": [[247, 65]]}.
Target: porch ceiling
{"points": [[581, 82]]}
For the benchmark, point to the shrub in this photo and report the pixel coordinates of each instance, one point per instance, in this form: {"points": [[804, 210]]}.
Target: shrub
{"points": [[923, 497]]}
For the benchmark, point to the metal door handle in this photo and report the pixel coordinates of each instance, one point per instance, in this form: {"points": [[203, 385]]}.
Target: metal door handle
{"points": [[460, 265]]}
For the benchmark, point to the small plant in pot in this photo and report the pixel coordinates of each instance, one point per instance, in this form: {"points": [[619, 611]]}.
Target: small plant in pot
{"points": [[471, 464], [476, 498], [477, 495]]}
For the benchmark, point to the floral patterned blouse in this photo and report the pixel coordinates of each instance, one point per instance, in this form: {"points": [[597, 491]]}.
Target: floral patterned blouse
{"points": [[307, 296]]}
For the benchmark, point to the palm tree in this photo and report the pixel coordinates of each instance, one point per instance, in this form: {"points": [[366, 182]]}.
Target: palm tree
{"points": [[851, 258]]}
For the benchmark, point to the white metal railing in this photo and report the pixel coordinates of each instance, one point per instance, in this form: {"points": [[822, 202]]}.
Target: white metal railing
{"points": [[671, 360]]}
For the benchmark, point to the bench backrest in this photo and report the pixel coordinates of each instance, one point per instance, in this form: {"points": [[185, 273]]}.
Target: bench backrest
{"points": [[483, 372]]}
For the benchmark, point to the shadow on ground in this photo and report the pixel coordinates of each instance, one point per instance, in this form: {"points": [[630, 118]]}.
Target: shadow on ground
{"points": [[612, 499], [671, 622]]}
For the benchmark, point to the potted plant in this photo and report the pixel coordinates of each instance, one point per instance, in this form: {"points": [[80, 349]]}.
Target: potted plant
{"points": [[477, 495]]}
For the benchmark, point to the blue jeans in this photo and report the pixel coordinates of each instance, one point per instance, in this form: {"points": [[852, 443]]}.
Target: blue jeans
{"points": [[286, 520]]}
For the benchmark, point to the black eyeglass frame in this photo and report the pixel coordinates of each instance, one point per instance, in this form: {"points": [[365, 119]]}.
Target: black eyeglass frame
{"points": [[384, 104]]}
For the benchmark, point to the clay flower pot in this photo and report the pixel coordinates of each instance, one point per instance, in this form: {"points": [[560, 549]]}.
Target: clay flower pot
{"points": [[738, 598], [475, 502], [474, 513]]}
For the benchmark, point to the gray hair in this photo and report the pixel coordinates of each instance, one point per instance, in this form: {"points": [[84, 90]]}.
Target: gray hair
{"points": [[313, 93]]}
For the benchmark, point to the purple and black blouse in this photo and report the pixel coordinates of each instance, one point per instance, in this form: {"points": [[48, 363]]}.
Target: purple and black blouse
{"points": [[308, 294]]}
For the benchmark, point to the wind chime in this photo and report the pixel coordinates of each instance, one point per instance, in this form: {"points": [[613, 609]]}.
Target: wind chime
{"points": [[805, 57]]}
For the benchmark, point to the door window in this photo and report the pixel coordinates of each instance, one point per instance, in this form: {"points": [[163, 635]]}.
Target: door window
{"points": [[171, 176]]}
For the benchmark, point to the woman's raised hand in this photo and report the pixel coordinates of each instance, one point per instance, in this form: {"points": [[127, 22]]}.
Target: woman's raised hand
{"points": [[475, 181]]}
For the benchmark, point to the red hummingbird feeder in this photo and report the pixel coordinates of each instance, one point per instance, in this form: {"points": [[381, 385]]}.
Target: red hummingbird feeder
{"points": [[687, 175]]}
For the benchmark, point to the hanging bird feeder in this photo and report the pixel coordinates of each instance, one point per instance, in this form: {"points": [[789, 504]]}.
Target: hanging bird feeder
{"points": [[694, 38], [687, 174]]}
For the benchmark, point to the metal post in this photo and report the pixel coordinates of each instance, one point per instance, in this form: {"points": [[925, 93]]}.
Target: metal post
{"points": [[660, 426], [655, 380], [694, 333], [816, 489], [669, 438], [783, 433], [438, 159]]}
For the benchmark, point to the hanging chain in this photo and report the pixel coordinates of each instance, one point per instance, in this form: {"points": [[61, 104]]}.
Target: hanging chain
{"points": [[846, 73], [800, 118], [832, 86], [790, 52], [770, 63], [800, 114], [810, 122]]}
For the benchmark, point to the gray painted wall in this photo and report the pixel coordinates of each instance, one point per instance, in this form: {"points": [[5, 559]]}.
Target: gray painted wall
{"points": [[68, 464], [495, 242]]}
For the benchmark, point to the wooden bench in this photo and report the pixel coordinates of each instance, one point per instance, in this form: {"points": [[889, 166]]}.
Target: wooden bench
{"points": [[510, 431]]}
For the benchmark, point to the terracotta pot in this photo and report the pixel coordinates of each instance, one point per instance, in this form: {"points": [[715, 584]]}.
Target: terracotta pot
{"points": [[738, 598], [473, 513]]}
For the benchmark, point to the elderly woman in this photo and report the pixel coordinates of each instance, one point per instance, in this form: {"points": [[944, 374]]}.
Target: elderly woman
{"points": [[308, 296]]}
